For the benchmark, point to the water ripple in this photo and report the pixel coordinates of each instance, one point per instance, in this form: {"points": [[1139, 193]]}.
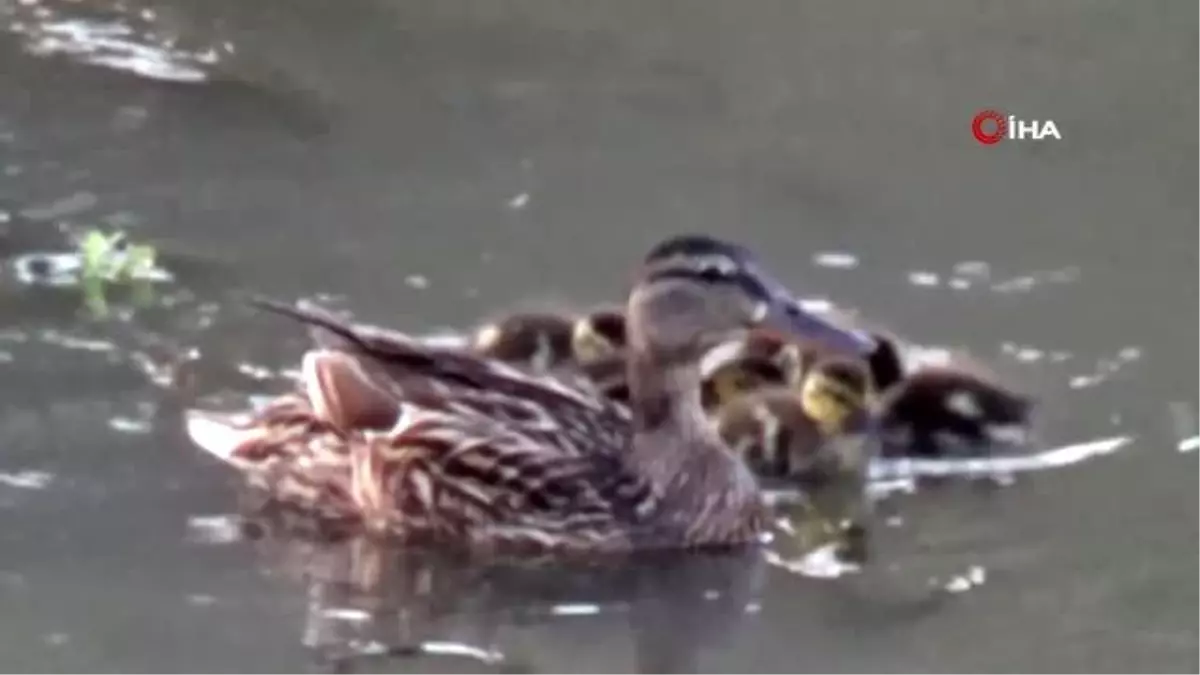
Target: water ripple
{"points": [[883, 470], [122, 40], [26, 479]]}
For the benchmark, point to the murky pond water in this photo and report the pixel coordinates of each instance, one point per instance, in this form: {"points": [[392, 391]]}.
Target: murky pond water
{"points": [[429, 163]]}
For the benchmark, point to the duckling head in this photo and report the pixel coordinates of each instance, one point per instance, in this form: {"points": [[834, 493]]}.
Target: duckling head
{"points": [[598, 335], [736, 378], [835, 393], [759, 348], [541, 341]]}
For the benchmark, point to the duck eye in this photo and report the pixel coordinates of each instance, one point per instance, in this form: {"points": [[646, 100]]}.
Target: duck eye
{"points": [[713, 268]]}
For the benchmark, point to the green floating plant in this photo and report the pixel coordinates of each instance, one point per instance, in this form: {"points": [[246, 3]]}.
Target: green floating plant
{"points": [[110, 258]]}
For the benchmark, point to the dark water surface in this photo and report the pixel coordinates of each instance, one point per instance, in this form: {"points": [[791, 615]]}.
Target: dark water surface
{"points": [[432, 162]]}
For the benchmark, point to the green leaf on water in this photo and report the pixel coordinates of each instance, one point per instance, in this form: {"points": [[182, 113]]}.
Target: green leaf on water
{"points": [[109, 258], [96, 250]]}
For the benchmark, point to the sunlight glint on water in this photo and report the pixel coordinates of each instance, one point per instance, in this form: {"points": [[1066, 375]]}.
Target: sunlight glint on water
{"points": [[119, 39]]}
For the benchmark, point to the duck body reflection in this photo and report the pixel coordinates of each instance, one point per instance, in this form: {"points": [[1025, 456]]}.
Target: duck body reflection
{"points": [[373, 606]]}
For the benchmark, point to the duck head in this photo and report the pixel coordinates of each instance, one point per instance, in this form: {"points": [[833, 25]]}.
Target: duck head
{"points": [[691, 294], [696, 291]]}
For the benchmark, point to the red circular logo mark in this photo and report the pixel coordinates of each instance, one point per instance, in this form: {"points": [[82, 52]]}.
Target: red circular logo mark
{"points": [[981, 122]]}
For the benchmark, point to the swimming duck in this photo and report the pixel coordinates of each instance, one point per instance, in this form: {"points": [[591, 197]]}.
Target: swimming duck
{"points": [[421, 442]]}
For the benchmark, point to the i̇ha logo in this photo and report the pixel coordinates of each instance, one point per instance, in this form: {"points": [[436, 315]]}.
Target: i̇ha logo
{"points": [[990, 127]]}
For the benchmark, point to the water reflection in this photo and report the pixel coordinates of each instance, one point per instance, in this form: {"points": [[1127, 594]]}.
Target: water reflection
{"points": [[371, 604]]}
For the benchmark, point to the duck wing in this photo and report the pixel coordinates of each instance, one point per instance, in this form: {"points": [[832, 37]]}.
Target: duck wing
{"points": [[400, 367]]}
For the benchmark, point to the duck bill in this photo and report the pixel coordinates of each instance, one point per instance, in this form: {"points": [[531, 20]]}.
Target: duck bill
{"points": [[787, 316]]}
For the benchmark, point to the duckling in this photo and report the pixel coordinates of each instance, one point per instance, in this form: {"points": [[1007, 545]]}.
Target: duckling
{"points": [[951, 411], [591, 345], [763, 359], [540, 341], [817, 437], [781, 431], [737, 378], [753, 360], [931, 411], [598, 335], [598, 345]]}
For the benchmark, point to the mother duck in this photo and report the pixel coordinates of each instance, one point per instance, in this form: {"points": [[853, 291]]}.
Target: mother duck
{"points": [[426, 443]]}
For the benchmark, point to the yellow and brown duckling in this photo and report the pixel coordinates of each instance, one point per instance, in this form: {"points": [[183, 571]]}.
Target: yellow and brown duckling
{"points": [[781, 431], [598, 335], [816, 438], [537, 340], [592, 344], [598, 342], [740, 367]]}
